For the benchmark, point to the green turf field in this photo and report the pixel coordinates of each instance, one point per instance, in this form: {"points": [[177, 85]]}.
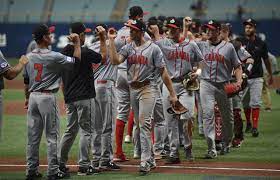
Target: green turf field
{"points": [[264, 149]]}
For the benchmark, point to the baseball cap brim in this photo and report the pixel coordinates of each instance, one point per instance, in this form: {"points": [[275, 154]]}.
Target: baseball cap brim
{"points": [[210, 26], [131, 26], [249, 23], [51, 29], [87, 30], [172, 26]]}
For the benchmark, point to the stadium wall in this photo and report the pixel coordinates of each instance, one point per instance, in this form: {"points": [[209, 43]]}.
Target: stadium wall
{"points": [[14, 38]]}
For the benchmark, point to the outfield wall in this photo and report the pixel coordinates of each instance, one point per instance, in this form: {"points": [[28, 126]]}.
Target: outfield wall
{"points": [[14, 38]]}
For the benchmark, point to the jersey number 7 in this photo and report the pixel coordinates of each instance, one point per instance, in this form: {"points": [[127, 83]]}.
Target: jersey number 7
{"points": [[39, 68]]}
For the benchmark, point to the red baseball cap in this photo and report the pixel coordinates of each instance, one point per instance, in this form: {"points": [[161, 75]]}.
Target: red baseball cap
{"points": [[212, 24], [137, 25]]}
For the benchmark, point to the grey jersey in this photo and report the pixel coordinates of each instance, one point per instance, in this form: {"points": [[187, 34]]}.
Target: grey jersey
{"points": [[143, 61], [106, 71], [219, 61], [121, 40], [180, 57], [33, 45], [4, 65], [44, 68]]}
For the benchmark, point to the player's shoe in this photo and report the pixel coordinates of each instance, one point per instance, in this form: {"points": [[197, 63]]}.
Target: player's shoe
{"points": [[189, 155], [236, 142], [218, 146], [248, 128], [58, 175], [173, 160], [128, 139], [109, 166], [120, 158], [144, 168], [35, 175], [152, 163], [87, 171], [65, 170], [255, 132], [225, 149], [136, 155], [210, 155]]}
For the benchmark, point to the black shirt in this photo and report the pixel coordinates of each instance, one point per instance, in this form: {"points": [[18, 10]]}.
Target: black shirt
{"points": [[258, 51], [1, 83], [79, 83]]}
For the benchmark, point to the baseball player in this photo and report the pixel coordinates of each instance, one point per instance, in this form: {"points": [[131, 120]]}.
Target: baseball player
{"points": [[220, 59], [143, 58], [252, 100], [122, 86], [247, 63], [105, 76], [9, 73], [42, 79], [79, 91], [180, 56]]}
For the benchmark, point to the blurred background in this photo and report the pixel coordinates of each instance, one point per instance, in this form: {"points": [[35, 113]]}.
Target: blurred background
{"points": [[18, 17]]}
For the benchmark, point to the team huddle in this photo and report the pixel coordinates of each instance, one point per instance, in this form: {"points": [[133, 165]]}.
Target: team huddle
{"points": [[152, 75]]}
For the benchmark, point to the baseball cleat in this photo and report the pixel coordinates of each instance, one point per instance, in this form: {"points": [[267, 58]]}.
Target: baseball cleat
{"points": [[255, 132], [172, 160], [109, 166], [144, 168], [210, 155], [127, 139], [189, 155]]}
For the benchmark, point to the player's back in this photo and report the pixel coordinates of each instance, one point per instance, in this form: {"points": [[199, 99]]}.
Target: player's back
{"points": [[44, 68]]}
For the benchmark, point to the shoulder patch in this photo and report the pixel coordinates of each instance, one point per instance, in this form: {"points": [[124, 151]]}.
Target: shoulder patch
{"points": [[4, 64], [69, 59]]}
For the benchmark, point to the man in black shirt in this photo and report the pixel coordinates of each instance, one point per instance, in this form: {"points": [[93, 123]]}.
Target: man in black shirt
{"points": [[252, 100], [79, 91]]}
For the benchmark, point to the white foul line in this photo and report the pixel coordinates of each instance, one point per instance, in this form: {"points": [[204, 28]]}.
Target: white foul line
{"points": [[172, 167]]}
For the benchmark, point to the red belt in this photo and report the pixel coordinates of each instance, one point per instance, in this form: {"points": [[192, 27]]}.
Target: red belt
{"points": [[101, 81]]}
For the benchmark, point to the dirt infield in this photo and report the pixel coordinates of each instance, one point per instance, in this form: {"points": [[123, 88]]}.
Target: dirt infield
{"points": [[209, 167], [14, 84]]}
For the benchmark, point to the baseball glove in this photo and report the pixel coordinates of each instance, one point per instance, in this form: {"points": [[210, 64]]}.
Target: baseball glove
{"points": [[190, 85], [232, 89], [177, 108]]}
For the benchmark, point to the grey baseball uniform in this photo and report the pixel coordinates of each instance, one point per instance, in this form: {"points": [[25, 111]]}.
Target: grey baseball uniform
{"points": [[179, 58], [141, 64], [121, 84], [42, 74], [105, 76], [4, 66], [220, 60]]}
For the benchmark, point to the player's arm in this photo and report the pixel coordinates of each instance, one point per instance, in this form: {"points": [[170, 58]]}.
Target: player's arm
{"points": [[199, 59], [26, 87], [102, 37], [168, 83], [115, 58], [74, 38], [14, 71], [238, 74], [155, 31]]}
